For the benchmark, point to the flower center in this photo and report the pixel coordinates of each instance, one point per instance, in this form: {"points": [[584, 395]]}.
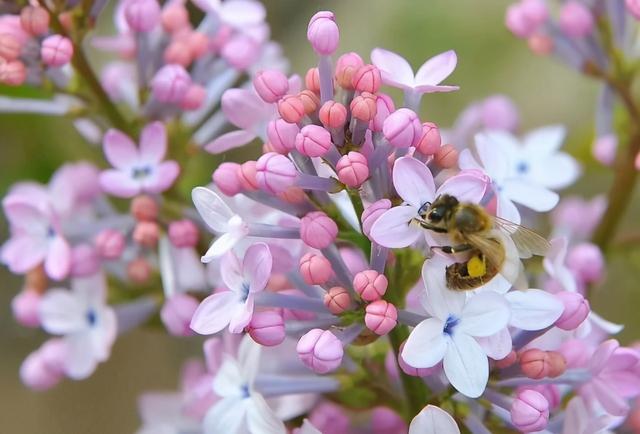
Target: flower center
{"points": [[141, 172], [450, 324], [244, 390], [244, 291], [51, 233], [91, 317], [522, 168]]}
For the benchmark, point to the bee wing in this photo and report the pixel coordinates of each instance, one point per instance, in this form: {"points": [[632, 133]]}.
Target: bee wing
{"points": [[502, 255], [527, 242]]}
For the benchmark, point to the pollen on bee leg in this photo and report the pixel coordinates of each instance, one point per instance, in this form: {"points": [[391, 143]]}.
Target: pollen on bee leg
{"points": [[476, 266]]}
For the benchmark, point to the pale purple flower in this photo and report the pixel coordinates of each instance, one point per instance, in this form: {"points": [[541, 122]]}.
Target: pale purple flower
{"points": [[580, 419], [397, 72], [138, 169], [414, 183], [87, 323], [36, 237], [450, 334], [241, 408], [307, 428], [237, 13], [433, 420], [162, 413], [234, 308]]}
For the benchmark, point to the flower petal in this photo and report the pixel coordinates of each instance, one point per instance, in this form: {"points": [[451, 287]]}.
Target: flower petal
{"points": [[228, 141], [393, 228], [466, 365], [613, 403], [153, 143], [212, 209], [497, 346], [226, 416], [532, 196], [229, 381], [565, 170], [58, 260], [394, 69], [438, 300], [256, 266], [433, 420], [231, 272], [426, 345], [242, 313], [507, 210], [243, 108], [80, 362], [61, 313], [161, 177], [413, 181], [249, 353], [223, 244], [22, 253], [495, 150], [24, 215], [214, 313], [103, 334], [484, 314], [261, 418], [436, 69], [466, 161], [544, 141], [601, 356], [119, 149], [533, 309], [427, 88], [466, 186], [242, 13], [119, 183]]}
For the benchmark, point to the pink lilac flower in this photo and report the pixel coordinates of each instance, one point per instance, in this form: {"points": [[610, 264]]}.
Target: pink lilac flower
{"points": [[87, 323], [234, 308], [414, 183], [138, 169]]}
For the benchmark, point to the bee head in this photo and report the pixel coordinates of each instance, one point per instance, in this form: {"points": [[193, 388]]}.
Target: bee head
{"points": [[440, 210]]}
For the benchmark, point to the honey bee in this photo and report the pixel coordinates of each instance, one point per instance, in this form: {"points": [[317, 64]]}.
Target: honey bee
{"points": [[483, 237]]}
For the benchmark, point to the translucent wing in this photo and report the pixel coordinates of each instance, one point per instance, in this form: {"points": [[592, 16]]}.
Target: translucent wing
{"points": [[527, 242], [501, 254]]}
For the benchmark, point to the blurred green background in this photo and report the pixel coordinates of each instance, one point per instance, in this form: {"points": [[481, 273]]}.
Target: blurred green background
{"points": [[490, 61]]}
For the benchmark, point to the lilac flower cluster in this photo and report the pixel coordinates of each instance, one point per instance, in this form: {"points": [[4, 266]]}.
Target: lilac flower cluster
{"points": [[326, 294]]}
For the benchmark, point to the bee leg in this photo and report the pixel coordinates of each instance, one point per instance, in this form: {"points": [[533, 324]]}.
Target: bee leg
{"points": [[454, 249]]}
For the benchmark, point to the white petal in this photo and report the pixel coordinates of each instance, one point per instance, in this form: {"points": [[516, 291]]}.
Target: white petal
{"points": [[241, 316], [214, 313], [532, 196], [495, 150], [433, 420], [103, 334], [261, 418], [426, 345], [393, 228], [439, 301], [507, 210], [555, 172], [484, 314], [212, 209], [226, 416], [466, 161], [308, 428], [249, 358], [436, 69], [231, 272], [466, 365], [223, 244], [80, 361], [61, 312], [229, 382], [413, 181], [395, 70], [544, 141], [533, 309], [497, 346]]}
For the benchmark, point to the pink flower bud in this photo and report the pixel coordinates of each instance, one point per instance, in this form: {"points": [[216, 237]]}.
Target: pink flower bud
{"points": [[604, 149], [530, 411], [557, 364], [402, 128], [25, 307], [110, 243], [310, 101], [333, 114], [337, 300], [170, 84], [12, 73], [178, 53], [499, 113], [313, 141], [56, 50], [10, 47], [146, 234], [540, 44], [323, 33], [282, 135], [226, 178], [35, 374], [576, 310], [329, 418], [271, 85], [363, 107], [291, 109], [586, 262], [194, 97], [85, 260], [275, 173], [446, 157], [183, 233], [320, 351], [317, 230], [176, 314], [241, 51], [509, 360], [346, 67], [384, 107], [315, 269], [381, 317], [535, 11], [267, 328], [367, 79], [517, 23], [247, 175], [142, 15], [534, 363], [353, 169], [633, 6], [34, 20], [174, 17], [370, 284], [198, 44], [312, 80], [386, 421], [430, 140], [549, 391], [576, 20], [637, 161], [139, 270], [372, 213], [144, 208]]}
